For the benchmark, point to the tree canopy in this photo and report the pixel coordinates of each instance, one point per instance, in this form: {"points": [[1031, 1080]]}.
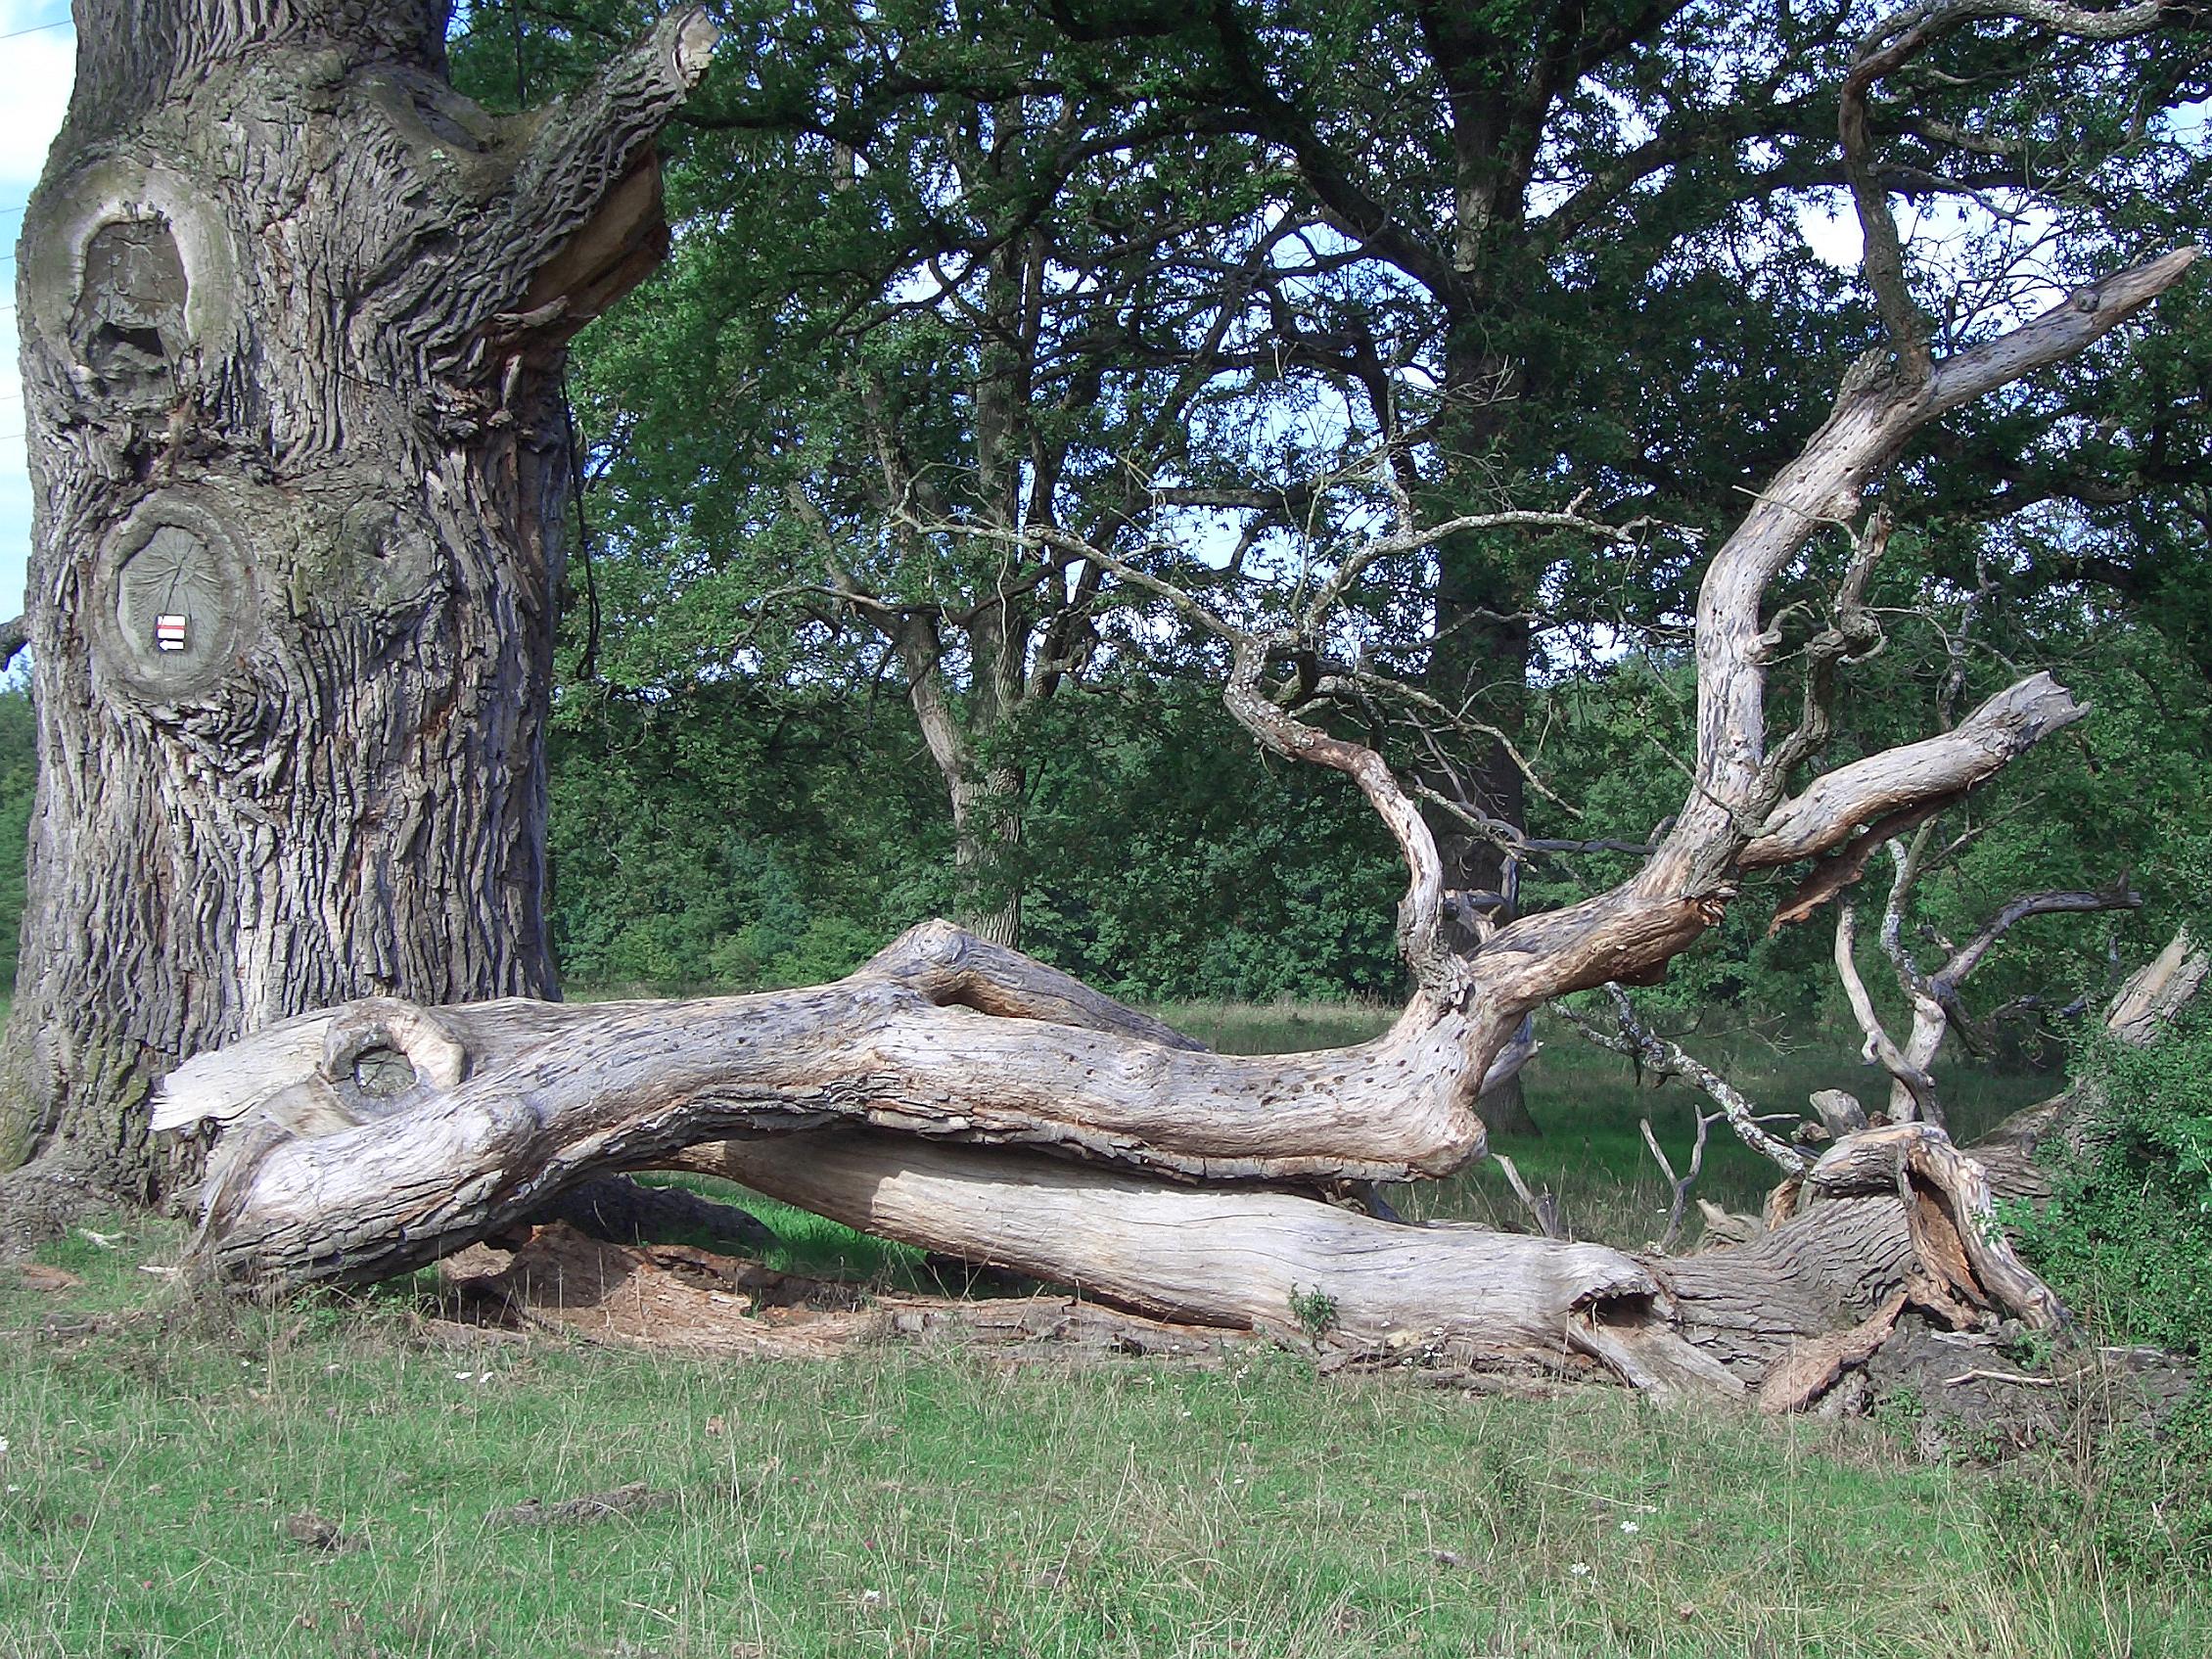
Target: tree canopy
{"points": [[961, 296]]}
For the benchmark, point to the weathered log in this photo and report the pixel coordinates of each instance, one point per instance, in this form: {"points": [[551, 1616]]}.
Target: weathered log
{"points": [[368, 1140], [310, 1184]]}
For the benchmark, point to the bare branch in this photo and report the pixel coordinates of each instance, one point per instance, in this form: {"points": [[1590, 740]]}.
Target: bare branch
{"points": [[1670, 1059], [1891, 43], [1874, 416], [1680, 1183], [1918, 1085], [1827, 813], [1458, 720], [1544, 1211], [1421, 912], [1851, 636], [2120, 896], [1409, 538]]}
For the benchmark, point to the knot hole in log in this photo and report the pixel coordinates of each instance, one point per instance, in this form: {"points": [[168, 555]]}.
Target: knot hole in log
{"points": [[383, 1055]]}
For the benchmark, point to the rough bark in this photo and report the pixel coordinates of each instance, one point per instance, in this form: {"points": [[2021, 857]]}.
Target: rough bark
{"points": [[291, 313], [367, 1139]]}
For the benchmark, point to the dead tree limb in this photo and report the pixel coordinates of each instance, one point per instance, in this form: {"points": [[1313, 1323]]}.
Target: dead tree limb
{"points": [[985, 1107], [1669, 1058]]}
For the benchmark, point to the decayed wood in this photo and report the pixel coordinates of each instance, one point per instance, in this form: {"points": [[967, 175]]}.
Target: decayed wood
{"points": [[1807, 1370], [368, 1140], [2142, 1008]]}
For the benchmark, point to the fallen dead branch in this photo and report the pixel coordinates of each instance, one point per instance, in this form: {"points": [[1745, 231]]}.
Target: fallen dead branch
{"points": [[964, 1099]]}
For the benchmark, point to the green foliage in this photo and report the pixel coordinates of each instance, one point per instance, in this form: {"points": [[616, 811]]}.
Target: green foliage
{"points": [[1169, 857], [2134, 1502], [737, 839], [2127, 1237], [1315, 1310], [19, 792], [727, 840], [939, 277]]}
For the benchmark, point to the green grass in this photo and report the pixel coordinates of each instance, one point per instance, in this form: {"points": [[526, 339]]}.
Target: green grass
{"points": [[899, 1505], [1276, 1027]]}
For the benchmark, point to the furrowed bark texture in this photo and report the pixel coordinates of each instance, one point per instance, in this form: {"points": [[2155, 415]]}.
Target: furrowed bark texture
{"points": [[291, 315]]}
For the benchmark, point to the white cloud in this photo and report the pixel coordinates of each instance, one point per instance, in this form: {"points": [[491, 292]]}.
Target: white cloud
{"points": [[37, 69]]}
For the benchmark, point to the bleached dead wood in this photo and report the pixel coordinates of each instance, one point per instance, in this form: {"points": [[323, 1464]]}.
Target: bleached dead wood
{"points": [[368, 1140]]}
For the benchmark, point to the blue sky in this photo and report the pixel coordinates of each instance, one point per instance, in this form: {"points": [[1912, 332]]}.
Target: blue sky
{"points": [[37, 67]]}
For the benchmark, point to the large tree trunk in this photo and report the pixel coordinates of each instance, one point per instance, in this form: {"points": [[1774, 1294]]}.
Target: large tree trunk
{"points": [[1478, 665], [293, 312]]}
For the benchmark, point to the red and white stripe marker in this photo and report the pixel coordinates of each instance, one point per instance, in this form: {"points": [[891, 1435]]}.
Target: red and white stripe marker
{"points": [[168, 632]]}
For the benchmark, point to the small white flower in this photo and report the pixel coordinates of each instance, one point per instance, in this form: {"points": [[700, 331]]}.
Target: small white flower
{"points": [[3, 1445], [1631, 1528], [15, 1489], [1581, 1569]]}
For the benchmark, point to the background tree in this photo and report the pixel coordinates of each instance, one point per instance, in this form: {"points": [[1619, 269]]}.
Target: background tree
{"points": [[925, 305]]}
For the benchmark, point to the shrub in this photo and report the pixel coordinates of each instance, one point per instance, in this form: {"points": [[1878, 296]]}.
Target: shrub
{"points": [[2127, 1238]]}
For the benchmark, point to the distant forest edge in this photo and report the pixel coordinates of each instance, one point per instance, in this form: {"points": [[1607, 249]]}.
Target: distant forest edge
{"points": [[735, 837]]}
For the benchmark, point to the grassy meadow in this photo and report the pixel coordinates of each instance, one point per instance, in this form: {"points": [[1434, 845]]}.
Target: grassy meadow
{"points": [[331, 1477], [327, 1478]]}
